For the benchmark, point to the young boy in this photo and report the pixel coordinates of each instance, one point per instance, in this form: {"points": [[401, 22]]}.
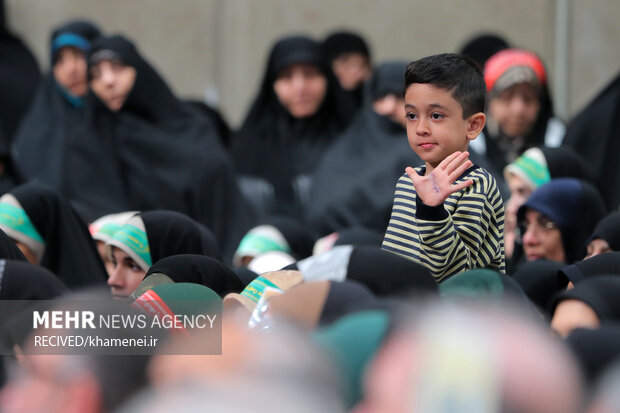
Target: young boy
{"points": [[448, 214]]}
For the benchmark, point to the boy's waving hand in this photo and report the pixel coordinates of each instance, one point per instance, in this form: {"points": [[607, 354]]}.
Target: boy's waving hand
{"points": [[434, 188]]}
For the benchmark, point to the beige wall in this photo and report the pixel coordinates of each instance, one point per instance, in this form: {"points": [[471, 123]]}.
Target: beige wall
{"points": [[222, 44]]}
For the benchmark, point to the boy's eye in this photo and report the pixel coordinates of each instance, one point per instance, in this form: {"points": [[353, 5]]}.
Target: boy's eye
{"points": [[436, 116], [411, 116]]}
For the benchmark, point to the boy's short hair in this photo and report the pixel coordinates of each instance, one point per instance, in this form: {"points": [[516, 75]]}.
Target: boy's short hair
{"points": [[455, 73]]}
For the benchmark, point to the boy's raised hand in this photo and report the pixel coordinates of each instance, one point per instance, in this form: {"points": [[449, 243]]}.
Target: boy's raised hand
{"points": [[434, 188]]}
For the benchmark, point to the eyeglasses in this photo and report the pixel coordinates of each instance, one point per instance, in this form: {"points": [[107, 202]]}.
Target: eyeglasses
{"points": [[542, 222]]}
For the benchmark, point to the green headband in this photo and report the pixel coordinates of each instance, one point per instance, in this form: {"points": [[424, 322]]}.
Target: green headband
{"points": [[17, 219], [256, 243], [255, 289], [136, 240], [109, 229], [538, 173]]}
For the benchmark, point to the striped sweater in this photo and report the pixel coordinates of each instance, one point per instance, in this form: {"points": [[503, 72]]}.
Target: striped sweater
{"points": [[466, 232]]}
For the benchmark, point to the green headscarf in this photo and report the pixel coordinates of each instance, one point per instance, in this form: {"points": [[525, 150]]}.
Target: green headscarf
{"points": [[352, 342]]}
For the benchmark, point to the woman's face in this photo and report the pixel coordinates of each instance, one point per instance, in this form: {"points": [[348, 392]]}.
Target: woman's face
{"points": [[520, 191], [105, 257], [28, 253], [572, 314], [126, 275], [391, 106], [70, 70], [301, 88], [351, 69], [516, 109], [112, 81], [541, 238], [597, 246]]}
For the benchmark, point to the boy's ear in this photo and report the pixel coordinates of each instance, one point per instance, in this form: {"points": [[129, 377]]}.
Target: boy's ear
{"points": [[475, 124]]}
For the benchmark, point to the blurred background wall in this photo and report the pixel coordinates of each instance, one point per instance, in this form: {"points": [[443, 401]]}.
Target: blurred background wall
{"points": [[218, 48]]}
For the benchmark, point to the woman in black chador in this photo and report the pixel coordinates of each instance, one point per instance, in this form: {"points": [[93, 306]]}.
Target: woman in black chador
{"points": [[299, 110], [19, 76], [353, 184], [58, 108], [144, 149]]}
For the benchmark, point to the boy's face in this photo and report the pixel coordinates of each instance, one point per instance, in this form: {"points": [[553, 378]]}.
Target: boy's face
{"points": [[435, 124]]}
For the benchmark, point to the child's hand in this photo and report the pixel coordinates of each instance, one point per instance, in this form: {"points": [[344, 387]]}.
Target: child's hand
{"points": [[434, 188]]}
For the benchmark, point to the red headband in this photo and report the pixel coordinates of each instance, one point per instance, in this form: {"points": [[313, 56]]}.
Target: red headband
{"points": [[500, 62]]}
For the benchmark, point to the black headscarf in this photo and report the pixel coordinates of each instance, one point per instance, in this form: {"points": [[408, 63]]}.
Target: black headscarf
{"points": [[359, 236], [298, 237], [595, 134], [353, 185], [213, 114], [209, 242], [70, 251], [156, 152], [601, 293], [19, 76], [273, 145], [245, 275], [608, 229], [172, 233], [150, 98], [385, 273], [382, 272], [339, 43], [198, 269], [8, 249], [574, 206], [482, 46], [40, 142], [25, 281], [602, 264], [564, 162], [343, 298], [541, 280], [595, 349]]}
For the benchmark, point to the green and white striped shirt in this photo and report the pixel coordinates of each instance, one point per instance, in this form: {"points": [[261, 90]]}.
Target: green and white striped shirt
{"points": [[466, 232]]}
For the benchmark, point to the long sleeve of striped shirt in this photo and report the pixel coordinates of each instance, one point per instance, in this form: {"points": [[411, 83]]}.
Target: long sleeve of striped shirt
{"points": [[466, 232]]}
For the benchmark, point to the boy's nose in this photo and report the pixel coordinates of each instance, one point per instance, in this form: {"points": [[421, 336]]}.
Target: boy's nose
{"points": [[422, 127]]}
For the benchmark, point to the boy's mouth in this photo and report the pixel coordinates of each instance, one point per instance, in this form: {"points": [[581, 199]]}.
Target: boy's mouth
{"points": [[426, 145]]}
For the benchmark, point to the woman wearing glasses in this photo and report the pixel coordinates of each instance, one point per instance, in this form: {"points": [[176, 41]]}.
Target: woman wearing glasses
{"points": [[557, 219]]}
